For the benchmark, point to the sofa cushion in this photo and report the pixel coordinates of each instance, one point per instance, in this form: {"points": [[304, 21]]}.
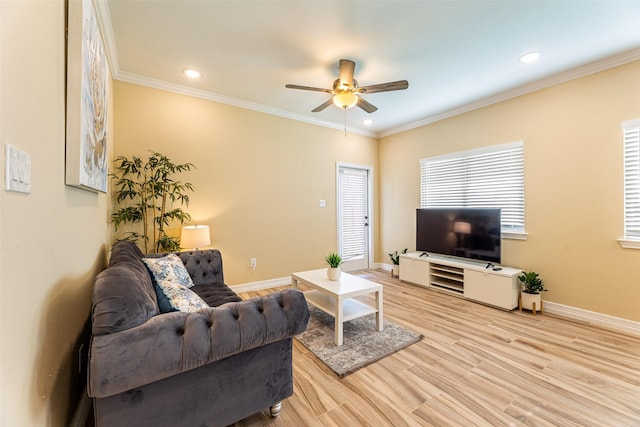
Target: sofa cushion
{"points": [[169, 268], [181, 298], [216, 294]]}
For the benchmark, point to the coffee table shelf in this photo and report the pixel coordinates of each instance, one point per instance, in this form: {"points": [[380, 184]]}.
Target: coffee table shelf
{"points": [[351, 309], [335, 297]]}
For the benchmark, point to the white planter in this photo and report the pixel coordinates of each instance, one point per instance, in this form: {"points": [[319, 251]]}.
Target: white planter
{"points": [[528, 301], [333, 273]]}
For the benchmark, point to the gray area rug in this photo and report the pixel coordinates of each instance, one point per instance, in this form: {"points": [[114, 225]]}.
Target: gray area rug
{"points": [[362, 343]]}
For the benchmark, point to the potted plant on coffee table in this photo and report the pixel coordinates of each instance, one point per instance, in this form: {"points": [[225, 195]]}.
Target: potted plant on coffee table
{"points": [[334, 260], [532, 285], [395, 259]]}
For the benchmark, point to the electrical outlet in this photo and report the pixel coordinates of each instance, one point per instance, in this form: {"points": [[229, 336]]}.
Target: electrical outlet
{"points": [[253, 263]]}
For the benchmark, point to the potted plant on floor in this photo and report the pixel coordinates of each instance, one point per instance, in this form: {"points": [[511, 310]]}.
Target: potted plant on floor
{"points": [[334, 260], [148, 198], [532, 285], [395, 259]]}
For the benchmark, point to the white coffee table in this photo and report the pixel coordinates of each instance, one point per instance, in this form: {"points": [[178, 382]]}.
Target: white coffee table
{"points": [[335, 297]]}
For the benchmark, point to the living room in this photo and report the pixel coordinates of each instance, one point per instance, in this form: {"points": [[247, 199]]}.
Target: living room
{"points": [[258, 179]]}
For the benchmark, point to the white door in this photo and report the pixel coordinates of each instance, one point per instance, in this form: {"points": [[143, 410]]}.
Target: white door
{"points": [[353, 216]]}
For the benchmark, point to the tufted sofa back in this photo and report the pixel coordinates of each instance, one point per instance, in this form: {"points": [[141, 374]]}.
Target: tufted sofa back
{"points": [[204, 267], [124, 296]]}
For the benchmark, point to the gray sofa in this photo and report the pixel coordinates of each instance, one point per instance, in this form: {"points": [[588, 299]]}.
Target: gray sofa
{"points": [[211, 367]]}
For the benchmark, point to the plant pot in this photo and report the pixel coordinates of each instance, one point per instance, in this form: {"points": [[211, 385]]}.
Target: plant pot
{"points": [[395, 270], [530, 301], [333, 273]]}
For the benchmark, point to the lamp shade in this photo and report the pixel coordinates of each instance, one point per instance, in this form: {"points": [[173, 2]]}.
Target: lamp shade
{"points": [[345, 99], [195, 236]]}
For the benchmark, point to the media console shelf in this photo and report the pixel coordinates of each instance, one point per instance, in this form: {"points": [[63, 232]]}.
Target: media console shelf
{"points": [[468, 279], [447, 277]]}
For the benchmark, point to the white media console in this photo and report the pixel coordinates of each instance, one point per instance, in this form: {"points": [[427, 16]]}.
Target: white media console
{"points": [[469, 279]]}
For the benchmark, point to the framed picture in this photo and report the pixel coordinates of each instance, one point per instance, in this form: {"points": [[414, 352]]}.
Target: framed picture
{"points": [[87, 100]]}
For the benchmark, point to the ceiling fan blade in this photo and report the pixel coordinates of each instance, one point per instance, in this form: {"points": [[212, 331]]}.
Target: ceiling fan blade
{"points": [[322, 106], [347, 68], [366, 106], [315, 89], [385, 87]]}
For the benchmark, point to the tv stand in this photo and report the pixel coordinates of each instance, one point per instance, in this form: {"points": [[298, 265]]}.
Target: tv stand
{"points": [[468, 279]]}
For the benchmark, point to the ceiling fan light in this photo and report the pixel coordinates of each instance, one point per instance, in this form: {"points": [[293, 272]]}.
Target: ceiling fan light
{"points": [[345, 99]]}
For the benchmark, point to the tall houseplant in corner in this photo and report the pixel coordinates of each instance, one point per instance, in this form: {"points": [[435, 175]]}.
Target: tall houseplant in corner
{"points": [[150, 199]]}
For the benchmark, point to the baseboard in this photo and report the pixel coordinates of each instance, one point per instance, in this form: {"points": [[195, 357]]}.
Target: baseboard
{"points": [[264, 284], [83, 410], [382, 266], [592, 317]]}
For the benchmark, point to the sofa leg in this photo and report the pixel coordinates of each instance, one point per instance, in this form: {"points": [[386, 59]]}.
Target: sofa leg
{"points": [[275, 409]]}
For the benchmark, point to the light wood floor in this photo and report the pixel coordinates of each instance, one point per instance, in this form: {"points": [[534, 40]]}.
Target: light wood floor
{"points": [[476, 366]]}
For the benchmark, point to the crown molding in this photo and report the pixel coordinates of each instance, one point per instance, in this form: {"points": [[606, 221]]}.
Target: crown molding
{"points": [[223, 99], [106, 28], [104, 21], [565, 76]]}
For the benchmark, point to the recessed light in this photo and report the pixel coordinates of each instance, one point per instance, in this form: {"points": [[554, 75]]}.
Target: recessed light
{"points": [[530, 57], [367, 121], [191, 73]]}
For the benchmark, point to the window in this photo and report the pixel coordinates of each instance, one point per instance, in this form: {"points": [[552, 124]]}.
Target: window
{"points": [[631, 140], [491, 177]]}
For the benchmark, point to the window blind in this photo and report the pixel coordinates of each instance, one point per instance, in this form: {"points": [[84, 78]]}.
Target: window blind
{"points": [[631, 139], [492, 177]]}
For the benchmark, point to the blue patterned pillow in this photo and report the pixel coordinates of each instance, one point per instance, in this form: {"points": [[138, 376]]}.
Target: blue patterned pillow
{"points": [[181, 298], [169, 267], [172, 283]]}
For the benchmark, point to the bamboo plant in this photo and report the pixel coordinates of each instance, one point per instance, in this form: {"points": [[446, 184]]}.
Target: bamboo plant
{"points": [[151, 200]]}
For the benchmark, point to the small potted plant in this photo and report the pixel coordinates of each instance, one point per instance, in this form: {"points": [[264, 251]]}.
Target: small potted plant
{"points": [[395, 259], [334, 260], [532, 285]]}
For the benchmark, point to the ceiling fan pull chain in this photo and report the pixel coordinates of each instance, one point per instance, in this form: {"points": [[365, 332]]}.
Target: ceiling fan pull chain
{"points": [[345, 122]]}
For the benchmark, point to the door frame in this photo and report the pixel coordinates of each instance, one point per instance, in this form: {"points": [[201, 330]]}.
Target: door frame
{"points": [[369, 169]]}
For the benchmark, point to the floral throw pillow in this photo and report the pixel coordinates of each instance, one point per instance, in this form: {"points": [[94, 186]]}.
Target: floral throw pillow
{"points": [[169, 267], [181, 298], [172, 283]]}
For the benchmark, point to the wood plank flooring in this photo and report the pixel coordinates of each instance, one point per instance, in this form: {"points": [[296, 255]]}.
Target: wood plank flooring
{"points": [[476, 366]]}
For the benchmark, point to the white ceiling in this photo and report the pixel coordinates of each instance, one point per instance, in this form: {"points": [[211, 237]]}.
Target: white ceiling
{"points": [[456, 55]]}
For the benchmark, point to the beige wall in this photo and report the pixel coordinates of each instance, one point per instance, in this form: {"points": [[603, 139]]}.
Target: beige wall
{"points": [[52, 241], [573, 185], [258, 179]]}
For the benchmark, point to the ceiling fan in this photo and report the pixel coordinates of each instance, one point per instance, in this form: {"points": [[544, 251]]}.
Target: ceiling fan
{"points": [[346, 92]]}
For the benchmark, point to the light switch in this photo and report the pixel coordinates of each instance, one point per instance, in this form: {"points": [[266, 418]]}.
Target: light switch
{"points": [[322, 204], [18, 170]]}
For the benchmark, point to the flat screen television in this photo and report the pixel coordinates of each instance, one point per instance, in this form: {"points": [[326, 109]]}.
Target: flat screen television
{"points": [[460, 232]]}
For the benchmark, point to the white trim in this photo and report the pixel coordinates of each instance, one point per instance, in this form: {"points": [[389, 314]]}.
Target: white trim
{"points": [[223, 99], [592, 317], [629, 244], [523, 235], [104, 19], [263, 284], [565, 76], [106, 28]]}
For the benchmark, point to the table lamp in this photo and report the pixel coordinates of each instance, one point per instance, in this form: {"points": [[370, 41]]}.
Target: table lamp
{"points": [[195, 236]]}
